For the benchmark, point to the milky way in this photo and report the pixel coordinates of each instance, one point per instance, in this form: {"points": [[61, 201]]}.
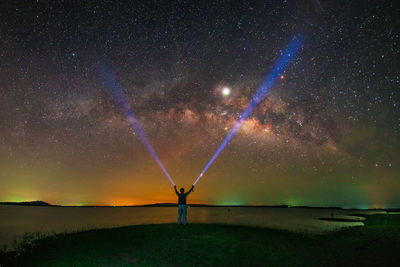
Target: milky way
{"points": [[328, 134]]}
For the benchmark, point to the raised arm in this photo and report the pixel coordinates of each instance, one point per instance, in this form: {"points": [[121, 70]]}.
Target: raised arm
{"points": [[176, 191], [191, 190]]}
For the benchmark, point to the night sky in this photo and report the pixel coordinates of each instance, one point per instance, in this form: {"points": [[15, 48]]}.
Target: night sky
{"points": [[328, 134]]}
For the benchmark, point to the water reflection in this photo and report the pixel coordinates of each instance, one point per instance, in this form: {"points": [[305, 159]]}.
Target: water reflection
{"points": [[17, 220]]}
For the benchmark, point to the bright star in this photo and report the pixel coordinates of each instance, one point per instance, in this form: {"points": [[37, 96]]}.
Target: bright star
{"points": [[226, 91]]}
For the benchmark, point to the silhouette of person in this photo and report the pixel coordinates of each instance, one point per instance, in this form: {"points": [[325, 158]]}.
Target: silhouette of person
{"points": [[182, 208]]}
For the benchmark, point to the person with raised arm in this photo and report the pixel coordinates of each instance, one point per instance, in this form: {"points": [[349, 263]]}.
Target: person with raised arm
{"points": [[182, 207]]}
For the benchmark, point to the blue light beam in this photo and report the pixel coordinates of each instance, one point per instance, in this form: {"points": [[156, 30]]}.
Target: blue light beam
{"points": [[119, 96], [278, 70]]}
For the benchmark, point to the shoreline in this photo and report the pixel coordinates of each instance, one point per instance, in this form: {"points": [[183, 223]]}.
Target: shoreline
{"points": [[376, 243]]}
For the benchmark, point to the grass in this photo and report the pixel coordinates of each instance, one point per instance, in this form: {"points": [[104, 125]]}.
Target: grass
{"points": [[375, 244]]}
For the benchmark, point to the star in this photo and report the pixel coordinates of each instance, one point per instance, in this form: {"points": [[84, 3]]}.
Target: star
{"points": [[226, 91]]}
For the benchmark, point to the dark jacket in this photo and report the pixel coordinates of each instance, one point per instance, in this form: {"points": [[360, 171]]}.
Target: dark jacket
{"points": [[182, 196]]}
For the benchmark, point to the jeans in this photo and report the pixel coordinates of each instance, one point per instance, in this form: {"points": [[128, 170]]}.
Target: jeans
{"points": [[182, 211]]}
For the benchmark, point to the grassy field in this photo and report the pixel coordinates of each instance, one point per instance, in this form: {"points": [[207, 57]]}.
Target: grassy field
{"points": [[375, 244]]}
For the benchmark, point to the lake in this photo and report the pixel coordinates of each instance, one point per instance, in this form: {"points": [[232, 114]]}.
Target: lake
{"points": [[15, 221]]}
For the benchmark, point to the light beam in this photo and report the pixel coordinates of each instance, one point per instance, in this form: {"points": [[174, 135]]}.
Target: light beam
{"points": [[119, 96], [276, 72]]}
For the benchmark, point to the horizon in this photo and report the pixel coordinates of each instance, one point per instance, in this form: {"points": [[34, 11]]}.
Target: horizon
{"points": [[360, 207]]}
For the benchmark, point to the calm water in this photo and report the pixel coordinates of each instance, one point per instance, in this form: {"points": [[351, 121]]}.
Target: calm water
{"points": [[15, 221]]}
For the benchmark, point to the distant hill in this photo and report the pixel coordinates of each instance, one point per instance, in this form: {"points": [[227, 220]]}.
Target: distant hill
{"points": [[160, 205], [28, 203], [45, 204]]}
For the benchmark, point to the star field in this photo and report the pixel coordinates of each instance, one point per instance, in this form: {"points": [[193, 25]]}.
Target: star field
{"points": [[328, 134]]}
